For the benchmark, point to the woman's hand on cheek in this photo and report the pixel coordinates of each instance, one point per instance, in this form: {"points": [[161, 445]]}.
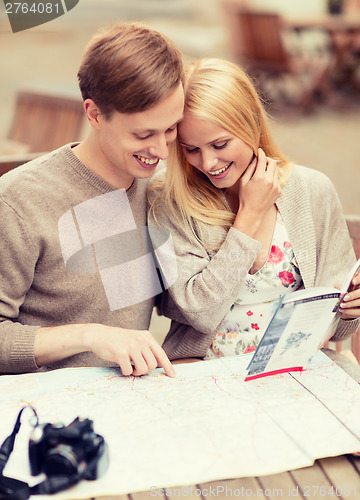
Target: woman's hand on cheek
{"points": [[259, 185]]}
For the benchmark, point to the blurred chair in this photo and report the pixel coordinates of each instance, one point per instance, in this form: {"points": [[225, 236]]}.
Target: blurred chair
{"points": [[8, 162], [43, 121], [352, 6], [273, 55]]}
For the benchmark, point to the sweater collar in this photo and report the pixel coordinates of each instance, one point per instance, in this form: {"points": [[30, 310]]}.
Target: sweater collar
{"points": [[296, 211], [89, 176]]}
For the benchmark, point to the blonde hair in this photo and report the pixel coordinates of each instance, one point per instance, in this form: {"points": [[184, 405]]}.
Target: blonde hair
{"points": [[219, 91]]}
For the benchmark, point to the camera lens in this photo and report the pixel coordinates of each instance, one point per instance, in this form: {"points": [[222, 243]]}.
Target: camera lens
{"points": [[61, 460]]}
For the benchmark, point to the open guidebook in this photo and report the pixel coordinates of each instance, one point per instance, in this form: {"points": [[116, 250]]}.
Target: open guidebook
{"points": [[301, 324]]}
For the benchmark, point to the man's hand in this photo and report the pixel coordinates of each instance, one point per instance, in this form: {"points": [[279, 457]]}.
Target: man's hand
{"points": [[135, 351]]}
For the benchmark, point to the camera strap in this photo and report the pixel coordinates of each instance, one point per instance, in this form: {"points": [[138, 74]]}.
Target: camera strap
{"points": [[14, 489], [8, 445]]}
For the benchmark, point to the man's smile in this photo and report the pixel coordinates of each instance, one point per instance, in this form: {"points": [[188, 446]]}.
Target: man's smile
{"points": [[147, 161]]}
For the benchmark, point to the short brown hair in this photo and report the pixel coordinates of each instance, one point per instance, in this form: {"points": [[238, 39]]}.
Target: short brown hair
{"points": [[129, 68], [220, 92]]}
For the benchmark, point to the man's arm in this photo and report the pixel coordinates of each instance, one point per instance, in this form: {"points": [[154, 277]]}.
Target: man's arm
{"points": [[135, 351], [37, 293]]}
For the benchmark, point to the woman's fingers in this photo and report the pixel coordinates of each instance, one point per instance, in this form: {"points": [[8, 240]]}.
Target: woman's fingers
{"points": [[249, 172]]}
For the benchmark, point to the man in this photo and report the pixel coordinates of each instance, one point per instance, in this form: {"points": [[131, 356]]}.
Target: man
{"points": [[70, 218]]}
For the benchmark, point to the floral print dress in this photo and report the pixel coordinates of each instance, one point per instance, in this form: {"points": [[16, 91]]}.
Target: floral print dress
{"points": [[241, 330]]}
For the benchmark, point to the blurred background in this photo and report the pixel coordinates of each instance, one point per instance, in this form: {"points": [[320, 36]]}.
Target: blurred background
{"points": [[304, 62], [324, 135]]}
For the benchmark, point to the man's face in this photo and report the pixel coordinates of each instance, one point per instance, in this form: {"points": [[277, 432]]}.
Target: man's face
{"points": [[131, 145]]}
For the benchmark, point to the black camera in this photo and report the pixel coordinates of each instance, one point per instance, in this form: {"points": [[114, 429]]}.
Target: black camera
{"points": [[66, 454], [71, 450]]}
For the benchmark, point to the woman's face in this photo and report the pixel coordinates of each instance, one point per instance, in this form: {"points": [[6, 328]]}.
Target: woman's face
{"points": [[220, 155]]}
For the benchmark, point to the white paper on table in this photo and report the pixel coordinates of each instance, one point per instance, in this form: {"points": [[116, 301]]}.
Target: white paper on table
{"points": [[204, 425]]}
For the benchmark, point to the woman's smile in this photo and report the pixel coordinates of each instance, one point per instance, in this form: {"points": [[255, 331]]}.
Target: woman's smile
{"points": [[216, 152], [221, 172]]}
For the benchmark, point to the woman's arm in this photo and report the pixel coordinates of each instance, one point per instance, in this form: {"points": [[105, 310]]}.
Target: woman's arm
{"points": [[209, 282], [335, 252]]}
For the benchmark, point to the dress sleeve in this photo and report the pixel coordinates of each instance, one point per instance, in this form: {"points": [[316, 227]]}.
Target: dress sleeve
{"points": [[17, 266]]}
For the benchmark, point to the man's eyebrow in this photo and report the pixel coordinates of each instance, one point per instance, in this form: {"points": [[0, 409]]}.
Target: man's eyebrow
{"points": [[153, 130], [144, 131]]}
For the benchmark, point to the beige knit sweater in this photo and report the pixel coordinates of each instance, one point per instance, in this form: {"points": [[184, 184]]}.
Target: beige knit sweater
{"points": [[36, 289], [208, 284]]}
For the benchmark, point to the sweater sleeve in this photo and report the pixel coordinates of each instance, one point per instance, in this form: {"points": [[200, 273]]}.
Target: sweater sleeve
{"points": [[335, 252], [17, 265], [207, 282]]}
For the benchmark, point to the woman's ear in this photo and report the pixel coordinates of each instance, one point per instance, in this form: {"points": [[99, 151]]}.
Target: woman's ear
{"points": [[92, 113]]}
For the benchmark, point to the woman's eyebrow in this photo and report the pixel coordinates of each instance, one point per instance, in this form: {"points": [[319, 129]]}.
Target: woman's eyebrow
{"points": [[185, 144], [225, 138]]}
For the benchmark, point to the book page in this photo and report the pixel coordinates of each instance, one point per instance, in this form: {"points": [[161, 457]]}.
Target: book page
{"points": [[203, 425], [294, 333], [303, 322]]}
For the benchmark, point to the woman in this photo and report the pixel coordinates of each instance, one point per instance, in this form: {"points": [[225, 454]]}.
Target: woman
{"points": [[247, 225]]}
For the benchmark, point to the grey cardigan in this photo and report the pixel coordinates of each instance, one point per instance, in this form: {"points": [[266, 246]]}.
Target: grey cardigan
{"points": [[208, 282]]}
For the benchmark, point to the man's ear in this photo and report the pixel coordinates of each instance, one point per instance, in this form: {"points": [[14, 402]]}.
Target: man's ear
{"points": [[92, 113]]}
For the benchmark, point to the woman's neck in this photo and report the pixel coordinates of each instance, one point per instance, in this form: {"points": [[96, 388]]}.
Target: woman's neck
{"points": [[232, 197]]}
